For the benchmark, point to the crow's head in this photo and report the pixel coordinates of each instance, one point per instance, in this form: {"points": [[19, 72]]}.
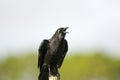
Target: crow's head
{"points": [[61, 32]]}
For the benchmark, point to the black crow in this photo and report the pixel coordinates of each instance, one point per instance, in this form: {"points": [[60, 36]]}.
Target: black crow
{"points": [[51, 55]]}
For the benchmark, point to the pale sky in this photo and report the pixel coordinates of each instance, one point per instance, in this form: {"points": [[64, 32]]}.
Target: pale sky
{"points": [[93, 24]]}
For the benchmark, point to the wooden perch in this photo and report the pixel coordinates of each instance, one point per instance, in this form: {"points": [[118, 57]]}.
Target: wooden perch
{"points": [[54, 77]]}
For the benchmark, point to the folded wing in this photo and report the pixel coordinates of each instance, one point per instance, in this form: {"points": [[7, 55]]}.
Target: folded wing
{"points": [[63, 48], [42, 52]]}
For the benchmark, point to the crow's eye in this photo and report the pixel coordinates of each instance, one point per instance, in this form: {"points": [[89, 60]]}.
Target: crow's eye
{"points": [[60, 30]]}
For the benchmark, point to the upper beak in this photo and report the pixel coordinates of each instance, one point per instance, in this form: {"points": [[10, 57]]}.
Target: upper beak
{"points": [[66, 29]]}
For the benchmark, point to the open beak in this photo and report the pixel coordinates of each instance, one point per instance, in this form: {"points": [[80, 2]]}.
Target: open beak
{"points": [[65, 30]]}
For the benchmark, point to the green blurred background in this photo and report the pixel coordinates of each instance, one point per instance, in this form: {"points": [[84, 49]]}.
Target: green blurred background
{"points": [[95, 66]]}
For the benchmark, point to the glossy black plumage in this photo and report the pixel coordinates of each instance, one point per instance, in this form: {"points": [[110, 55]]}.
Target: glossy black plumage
{"points": [[51, 54]]}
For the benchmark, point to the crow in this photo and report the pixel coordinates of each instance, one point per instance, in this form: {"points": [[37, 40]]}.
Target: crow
{"points": [[51, 55]]}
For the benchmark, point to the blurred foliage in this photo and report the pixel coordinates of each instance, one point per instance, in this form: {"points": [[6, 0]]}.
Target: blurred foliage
{"points": [[75, 67]]}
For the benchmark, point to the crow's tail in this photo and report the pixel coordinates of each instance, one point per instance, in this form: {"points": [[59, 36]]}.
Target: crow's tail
{"points": [[44, 73]]}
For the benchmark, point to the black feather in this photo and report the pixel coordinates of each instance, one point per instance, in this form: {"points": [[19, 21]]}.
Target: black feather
{"points": [[52, 53]]}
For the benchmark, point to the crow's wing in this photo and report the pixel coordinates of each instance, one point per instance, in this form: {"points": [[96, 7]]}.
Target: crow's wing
{"points": [[42, 52], [63, 48]]}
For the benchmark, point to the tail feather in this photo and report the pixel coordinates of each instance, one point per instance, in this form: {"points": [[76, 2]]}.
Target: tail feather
{"points": [[44, 73]]}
